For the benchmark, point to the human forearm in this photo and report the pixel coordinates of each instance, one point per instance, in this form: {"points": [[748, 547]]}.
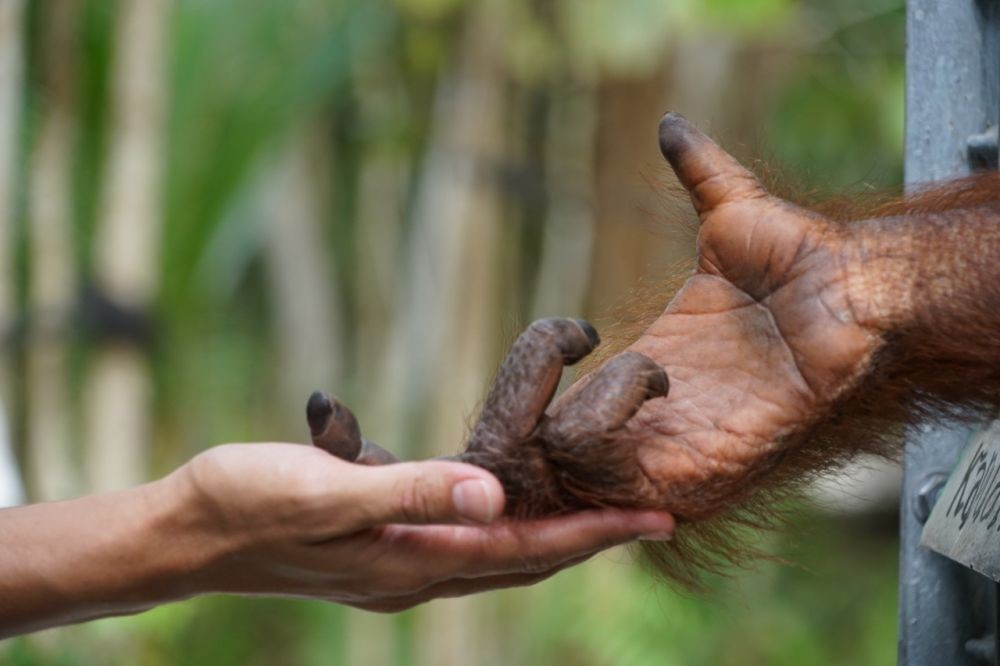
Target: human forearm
{"points": [[287, 520], [110, 554]]}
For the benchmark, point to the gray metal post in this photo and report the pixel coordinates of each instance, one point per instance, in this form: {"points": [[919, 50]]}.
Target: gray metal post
{"points": [[947, 612]]}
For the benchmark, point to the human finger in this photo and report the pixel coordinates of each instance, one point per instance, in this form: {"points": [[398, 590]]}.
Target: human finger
{"points": [[531, 546], [420, 493], [460, 587]]}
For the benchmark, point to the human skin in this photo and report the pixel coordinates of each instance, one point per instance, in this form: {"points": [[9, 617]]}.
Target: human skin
{"points": [[800, 341], [794, 326], [793, 323], [546, 466], [292, 521]]}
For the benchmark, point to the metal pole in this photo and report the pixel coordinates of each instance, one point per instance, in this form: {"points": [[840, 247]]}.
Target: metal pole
{"points": [[947, 613]]}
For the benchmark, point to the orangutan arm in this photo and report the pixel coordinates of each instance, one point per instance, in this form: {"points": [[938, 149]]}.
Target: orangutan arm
{"points": [[797, 342], [929, 281]]}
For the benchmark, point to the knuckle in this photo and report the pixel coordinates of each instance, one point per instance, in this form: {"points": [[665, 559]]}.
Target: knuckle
{"points": [[565, 428], [310, 489], [543, 326], [414, 501]]}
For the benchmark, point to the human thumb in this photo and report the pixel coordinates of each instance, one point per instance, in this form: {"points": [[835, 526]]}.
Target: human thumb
{"points": [[432, 492]]}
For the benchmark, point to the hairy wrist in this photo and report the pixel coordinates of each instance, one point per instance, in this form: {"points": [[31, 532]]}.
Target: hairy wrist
{"points": [[882, 273], [927, 280], [927, 273]]}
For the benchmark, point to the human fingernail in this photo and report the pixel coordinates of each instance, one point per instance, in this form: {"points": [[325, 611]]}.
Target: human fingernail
{"points": [[656, 526], [318, 412], [657, 536], [474, 500]]}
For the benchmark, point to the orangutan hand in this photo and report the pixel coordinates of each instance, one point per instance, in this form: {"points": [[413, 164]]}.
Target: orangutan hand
{"points": [[794, 336], [777, 331], [757, 343]]}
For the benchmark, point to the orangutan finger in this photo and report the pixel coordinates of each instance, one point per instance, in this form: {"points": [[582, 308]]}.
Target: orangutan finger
{"points": [[335, 429], [528, 378], [711, 175], [333, 426], [608, 400], [373, 454]]}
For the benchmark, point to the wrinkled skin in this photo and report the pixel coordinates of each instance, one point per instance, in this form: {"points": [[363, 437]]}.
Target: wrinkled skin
{"points": [[757, 343], [756, 346]]}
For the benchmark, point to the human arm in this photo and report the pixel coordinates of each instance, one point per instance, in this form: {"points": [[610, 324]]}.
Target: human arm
{"points": [[285, 520]]}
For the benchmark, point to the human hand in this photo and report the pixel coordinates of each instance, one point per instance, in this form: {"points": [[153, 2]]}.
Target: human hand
{"points": [[289, 520]]}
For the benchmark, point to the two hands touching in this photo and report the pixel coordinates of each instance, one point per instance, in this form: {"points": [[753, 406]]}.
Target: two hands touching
{"points": [[788, 317], [381, 538]]}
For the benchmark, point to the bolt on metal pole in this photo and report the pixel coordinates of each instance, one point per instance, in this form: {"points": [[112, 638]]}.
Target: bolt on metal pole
{"points": [[947, 613]]}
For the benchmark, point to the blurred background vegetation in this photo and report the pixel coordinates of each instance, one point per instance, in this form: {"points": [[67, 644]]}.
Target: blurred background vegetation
{"points": [[210, 207]]}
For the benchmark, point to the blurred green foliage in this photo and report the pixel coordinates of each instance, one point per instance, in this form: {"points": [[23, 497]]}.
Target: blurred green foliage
{"points": [[841, 610], [243, 75]]}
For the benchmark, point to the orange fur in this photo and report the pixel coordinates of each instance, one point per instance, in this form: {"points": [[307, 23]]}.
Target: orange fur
{"points": [[919, 375]]}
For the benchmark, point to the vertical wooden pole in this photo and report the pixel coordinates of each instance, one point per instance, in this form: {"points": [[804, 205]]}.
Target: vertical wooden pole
{"points": [[118, 392], [442, 351], [11, 99], [567, 245], [300, 277], [50, 464]]}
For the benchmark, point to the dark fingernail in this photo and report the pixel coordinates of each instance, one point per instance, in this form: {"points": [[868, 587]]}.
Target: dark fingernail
{"points": [[659, 383], [589, 331], [673, 135], [318, 412]]}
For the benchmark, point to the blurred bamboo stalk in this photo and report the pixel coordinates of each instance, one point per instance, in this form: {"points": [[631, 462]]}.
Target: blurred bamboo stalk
{"points": [[450, 321], [52, 285], [119, 389], [379, 291], [628, 243], [11, 99], [380, 248], [381, 237], [567, 244], [436, 331], [300, 275], [702, 74]]}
